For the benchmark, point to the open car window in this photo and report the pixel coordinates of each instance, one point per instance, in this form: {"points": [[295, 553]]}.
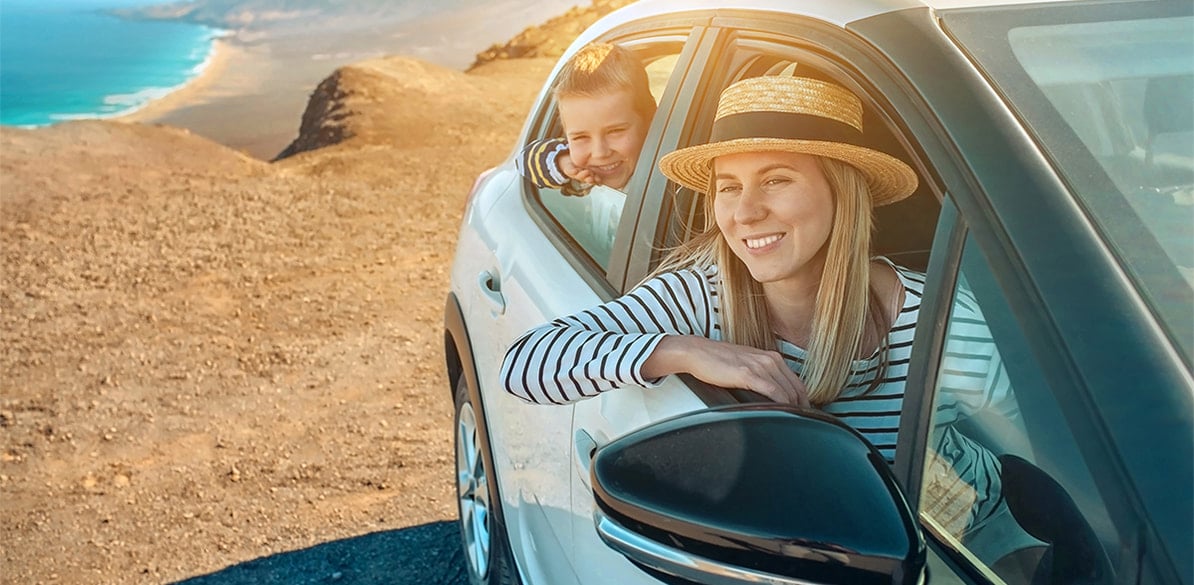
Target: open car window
{"points": [[904, 230], [589, 217]]}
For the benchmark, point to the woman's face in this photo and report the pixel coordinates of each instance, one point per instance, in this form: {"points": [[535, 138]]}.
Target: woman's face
{"points": [[775, 210]]}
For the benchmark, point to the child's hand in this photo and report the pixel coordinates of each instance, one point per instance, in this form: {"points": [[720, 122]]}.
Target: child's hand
{"points": [[575, 171]]}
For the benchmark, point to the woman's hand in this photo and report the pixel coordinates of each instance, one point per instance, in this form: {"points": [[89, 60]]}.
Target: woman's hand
{"points": [[727, 365]]}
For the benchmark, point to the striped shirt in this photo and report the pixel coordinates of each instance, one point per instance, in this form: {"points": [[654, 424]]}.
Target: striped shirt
{"points": [[599, 349], [537, 162]]}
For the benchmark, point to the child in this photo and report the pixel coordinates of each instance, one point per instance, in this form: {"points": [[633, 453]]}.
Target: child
{"points": [[605, 106]]}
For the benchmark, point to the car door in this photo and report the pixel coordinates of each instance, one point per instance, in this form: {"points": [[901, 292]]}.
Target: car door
{"points": [[676, 49], [544, 254], [600, 419]]}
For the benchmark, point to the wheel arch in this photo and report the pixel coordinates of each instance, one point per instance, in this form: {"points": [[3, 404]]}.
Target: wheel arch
{"points": [[460, 364], [458, 352]]}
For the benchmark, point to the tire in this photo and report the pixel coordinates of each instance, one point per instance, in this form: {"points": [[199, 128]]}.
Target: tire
{"points": [[486, 546]]}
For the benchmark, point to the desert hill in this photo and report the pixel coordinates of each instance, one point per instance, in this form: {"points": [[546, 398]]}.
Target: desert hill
{"points": [[204, 348], [209, 358]]}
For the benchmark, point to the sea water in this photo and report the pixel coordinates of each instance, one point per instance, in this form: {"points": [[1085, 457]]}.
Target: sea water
{"points": [[67, 59]]}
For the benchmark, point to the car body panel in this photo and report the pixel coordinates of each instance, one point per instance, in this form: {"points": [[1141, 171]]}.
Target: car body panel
{"points": [[525, 442], [603, 419]]}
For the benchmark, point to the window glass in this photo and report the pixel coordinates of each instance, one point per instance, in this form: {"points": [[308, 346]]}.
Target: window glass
{"points": [[591, 214], [590, 218], [1005, 483], [1107, 91], [1129, 102]]}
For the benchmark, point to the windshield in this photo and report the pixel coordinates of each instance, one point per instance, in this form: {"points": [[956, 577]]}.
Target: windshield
{"points": [[1108, 91]]}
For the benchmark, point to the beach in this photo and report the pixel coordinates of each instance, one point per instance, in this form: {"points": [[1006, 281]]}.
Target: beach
{"points": [[248, 98], [195, 90], [252, 95]]}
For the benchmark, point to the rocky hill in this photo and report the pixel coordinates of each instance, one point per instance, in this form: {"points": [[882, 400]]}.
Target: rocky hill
{"points": [[234, 357], [330, 115], [551, 38]]}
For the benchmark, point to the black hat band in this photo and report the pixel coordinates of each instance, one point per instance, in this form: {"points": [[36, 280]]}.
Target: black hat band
{"points": [[784, 125]]}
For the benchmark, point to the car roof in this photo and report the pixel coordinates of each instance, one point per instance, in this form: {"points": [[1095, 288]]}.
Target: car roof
{"points": [[840, 12]]}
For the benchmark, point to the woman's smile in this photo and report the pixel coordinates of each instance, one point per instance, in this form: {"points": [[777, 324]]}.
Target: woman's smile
{"points": [[762, 244]]}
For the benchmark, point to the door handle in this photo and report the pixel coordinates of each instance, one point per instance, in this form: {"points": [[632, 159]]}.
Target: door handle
{"points": [[585, 447], [491, 289]]}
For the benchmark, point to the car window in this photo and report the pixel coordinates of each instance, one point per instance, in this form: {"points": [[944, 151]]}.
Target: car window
{"points": [[1005, 482], [590, 216], [1116, 118]]}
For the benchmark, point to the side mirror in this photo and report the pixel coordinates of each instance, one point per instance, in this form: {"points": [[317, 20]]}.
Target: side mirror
{"points": [[756, 493]]}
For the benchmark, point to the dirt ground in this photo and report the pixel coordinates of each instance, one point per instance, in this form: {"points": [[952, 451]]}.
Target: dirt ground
{"points": [[209, 359]]}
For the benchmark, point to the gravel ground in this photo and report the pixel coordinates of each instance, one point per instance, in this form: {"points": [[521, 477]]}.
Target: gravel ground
{"points": [[221, 370]]}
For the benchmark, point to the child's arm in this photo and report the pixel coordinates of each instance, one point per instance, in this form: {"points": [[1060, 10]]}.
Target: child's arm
{"points": [[539, 162]]}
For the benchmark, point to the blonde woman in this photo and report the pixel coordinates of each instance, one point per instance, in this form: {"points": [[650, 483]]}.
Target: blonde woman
{"points": [[779, 295]]}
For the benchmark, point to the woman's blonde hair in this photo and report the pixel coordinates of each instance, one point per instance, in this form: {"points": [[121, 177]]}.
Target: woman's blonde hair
{"points": [[845, 305]]}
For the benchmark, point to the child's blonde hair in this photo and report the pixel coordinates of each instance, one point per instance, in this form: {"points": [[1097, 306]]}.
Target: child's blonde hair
{"points": [[601, 68]]}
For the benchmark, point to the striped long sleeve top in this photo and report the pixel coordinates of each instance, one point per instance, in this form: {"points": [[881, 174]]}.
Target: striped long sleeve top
{"points": [[538, 162], [581, 355]]}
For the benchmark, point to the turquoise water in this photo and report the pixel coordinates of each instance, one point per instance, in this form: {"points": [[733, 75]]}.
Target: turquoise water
{"points": [[64, 59]]}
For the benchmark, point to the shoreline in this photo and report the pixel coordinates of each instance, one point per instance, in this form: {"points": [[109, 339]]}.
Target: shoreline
{"points": [[188, 93], [253, 95]]}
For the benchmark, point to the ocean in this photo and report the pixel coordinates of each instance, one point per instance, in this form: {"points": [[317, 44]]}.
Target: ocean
{"points": [[65, 59]]}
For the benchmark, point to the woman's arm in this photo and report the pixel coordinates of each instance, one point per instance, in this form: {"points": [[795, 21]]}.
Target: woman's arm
{"points": [[605, 347]]}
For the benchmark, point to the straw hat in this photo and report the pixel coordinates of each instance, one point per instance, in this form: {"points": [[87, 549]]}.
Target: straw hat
{"points": [[791, 114]]}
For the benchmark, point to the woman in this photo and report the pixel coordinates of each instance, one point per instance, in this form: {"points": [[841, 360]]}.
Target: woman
{"points": [[780, 296]]}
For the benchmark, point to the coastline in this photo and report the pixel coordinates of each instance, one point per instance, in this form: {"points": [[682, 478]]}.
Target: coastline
{"points": [[253, 95], [189, 92]]}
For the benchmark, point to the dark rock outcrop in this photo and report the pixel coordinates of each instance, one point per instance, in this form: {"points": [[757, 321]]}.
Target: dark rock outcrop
{"points": [[323, 121]]}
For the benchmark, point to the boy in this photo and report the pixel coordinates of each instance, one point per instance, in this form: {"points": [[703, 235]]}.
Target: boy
{"points": [[605, 106]]}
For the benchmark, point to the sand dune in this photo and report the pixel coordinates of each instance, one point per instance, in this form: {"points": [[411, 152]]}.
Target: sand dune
{"points": [[209, 358]]}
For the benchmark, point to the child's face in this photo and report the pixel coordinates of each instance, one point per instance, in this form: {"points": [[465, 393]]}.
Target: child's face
{"points": [[605, 135]]}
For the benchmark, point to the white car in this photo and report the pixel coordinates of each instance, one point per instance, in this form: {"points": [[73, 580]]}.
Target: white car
{"points": [[1055, 153]]}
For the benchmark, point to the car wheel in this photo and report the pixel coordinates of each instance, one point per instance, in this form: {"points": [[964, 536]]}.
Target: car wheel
{"points": [[483, 534]]}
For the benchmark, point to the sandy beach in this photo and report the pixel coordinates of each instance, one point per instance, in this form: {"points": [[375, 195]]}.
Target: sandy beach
{"points": [[252, 96], [195, 90]]}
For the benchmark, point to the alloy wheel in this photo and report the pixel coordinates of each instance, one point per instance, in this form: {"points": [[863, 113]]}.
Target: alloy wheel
{"points": [[472, 486]]}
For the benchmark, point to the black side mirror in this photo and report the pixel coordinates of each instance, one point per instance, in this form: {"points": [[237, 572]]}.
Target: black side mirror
{"points": [[756, 491]]}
